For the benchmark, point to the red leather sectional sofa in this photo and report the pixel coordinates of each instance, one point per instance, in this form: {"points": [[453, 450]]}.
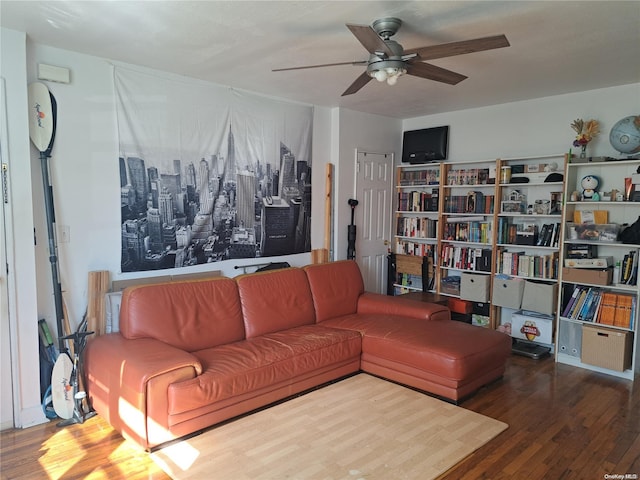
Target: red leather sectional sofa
{"points": [[192, 354]]}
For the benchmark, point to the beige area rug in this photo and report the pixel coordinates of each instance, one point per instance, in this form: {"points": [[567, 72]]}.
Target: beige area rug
{"points": [[359, 428]]}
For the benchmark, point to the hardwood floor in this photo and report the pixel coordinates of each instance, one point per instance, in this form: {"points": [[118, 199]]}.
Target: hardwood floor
{"points": [[564, 423]]}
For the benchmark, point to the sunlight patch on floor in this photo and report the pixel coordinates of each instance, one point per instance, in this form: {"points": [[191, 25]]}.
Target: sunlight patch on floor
{"points": [[55, 461], [181, 454]]}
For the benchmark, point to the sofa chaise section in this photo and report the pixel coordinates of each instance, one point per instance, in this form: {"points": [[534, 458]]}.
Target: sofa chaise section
{"points": [[408, 341]]}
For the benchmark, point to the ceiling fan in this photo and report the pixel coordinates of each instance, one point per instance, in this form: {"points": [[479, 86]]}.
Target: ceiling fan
{"points": [[388, 60]]}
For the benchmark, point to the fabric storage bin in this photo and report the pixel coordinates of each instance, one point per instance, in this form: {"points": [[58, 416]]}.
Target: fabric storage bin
{"points": [[507, 292], [540, 297], [606, 347], [474, 287]]}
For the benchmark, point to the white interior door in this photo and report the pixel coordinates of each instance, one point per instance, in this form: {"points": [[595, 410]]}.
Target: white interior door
{"points": [[6, 385], [373, 217]]}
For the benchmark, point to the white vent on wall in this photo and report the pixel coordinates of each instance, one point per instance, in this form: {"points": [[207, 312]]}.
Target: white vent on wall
{"points": [[53, 74]]}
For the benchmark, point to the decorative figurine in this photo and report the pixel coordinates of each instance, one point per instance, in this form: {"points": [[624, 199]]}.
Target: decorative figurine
{"points": [[614, 194], [589, 186]]}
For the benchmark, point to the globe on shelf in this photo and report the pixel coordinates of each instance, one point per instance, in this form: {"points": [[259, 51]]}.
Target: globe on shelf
{"points": [[625, 135]]}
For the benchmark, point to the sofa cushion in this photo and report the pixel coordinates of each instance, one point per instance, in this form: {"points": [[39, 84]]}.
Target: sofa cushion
{"points": [[275, 300], [452, 350], [235, 369], [187, 315], [336, 287]]}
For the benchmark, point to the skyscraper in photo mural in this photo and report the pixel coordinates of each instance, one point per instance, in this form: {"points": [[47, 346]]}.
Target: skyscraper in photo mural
{"points": [[210, 211]]}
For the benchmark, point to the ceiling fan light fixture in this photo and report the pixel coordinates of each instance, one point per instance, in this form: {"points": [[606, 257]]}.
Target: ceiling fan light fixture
{"points": [[380, 75], [386, 70]]}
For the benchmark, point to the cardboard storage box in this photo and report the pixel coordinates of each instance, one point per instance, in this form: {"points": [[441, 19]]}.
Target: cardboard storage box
{"points": [[531, 326], [598, 276], [507, 292], [606, 347], [540, 297], [474, 287]]}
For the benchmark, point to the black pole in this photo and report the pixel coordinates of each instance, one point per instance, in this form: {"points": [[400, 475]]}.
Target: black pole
{"points": [[53, 249], [351, 232]]}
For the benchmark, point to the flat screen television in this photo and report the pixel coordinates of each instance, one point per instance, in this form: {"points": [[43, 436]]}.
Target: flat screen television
{"points": [[425, 145]]}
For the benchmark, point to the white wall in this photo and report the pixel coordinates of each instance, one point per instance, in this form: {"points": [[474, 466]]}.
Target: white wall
{"points": [[23, 314], [533, 127], [365, 132]]}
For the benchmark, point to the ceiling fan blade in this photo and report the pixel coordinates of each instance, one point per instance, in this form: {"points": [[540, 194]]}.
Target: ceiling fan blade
{"points": [[359, 82], [369, 39], [359, 62], [443, 50], [431, 72]]}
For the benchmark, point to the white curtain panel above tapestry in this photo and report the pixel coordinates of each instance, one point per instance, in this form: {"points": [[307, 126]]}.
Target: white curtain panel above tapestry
{"points": [[209, 173]]}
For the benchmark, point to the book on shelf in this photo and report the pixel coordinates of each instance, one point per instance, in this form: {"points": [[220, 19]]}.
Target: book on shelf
{"points": [[617, 310], [572, 300], [419, 249], [622, 317], [596, 311], [420, 227], [577, 307], [410, 281], [587, 312], [592, 313], [460, 204], [420, 177], [526, 265], [549, 235], [467, 176], [465, 258], [607, 312], [555, 238], [591, 216], [629, 268], [418, 201], [473, 231]]}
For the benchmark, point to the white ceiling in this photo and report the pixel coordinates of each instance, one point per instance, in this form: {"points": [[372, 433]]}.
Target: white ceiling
{"points": [[556, 47]]}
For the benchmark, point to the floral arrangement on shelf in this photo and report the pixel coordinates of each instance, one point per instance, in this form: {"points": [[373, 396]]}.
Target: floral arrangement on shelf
{"points": [[586, 131]]}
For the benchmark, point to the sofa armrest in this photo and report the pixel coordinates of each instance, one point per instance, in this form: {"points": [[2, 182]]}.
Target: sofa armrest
{"points": [[377, 303], [127, 382]]}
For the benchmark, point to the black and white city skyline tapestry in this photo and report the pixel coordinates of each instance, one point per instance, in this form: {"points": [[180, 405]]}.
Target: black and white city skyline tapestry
{"points": [[209, 173]]}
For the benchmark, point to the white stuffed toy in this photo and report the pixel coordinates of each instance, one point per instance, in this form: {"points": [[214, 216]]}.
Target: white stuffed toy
{"points": [[589, 186]]}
